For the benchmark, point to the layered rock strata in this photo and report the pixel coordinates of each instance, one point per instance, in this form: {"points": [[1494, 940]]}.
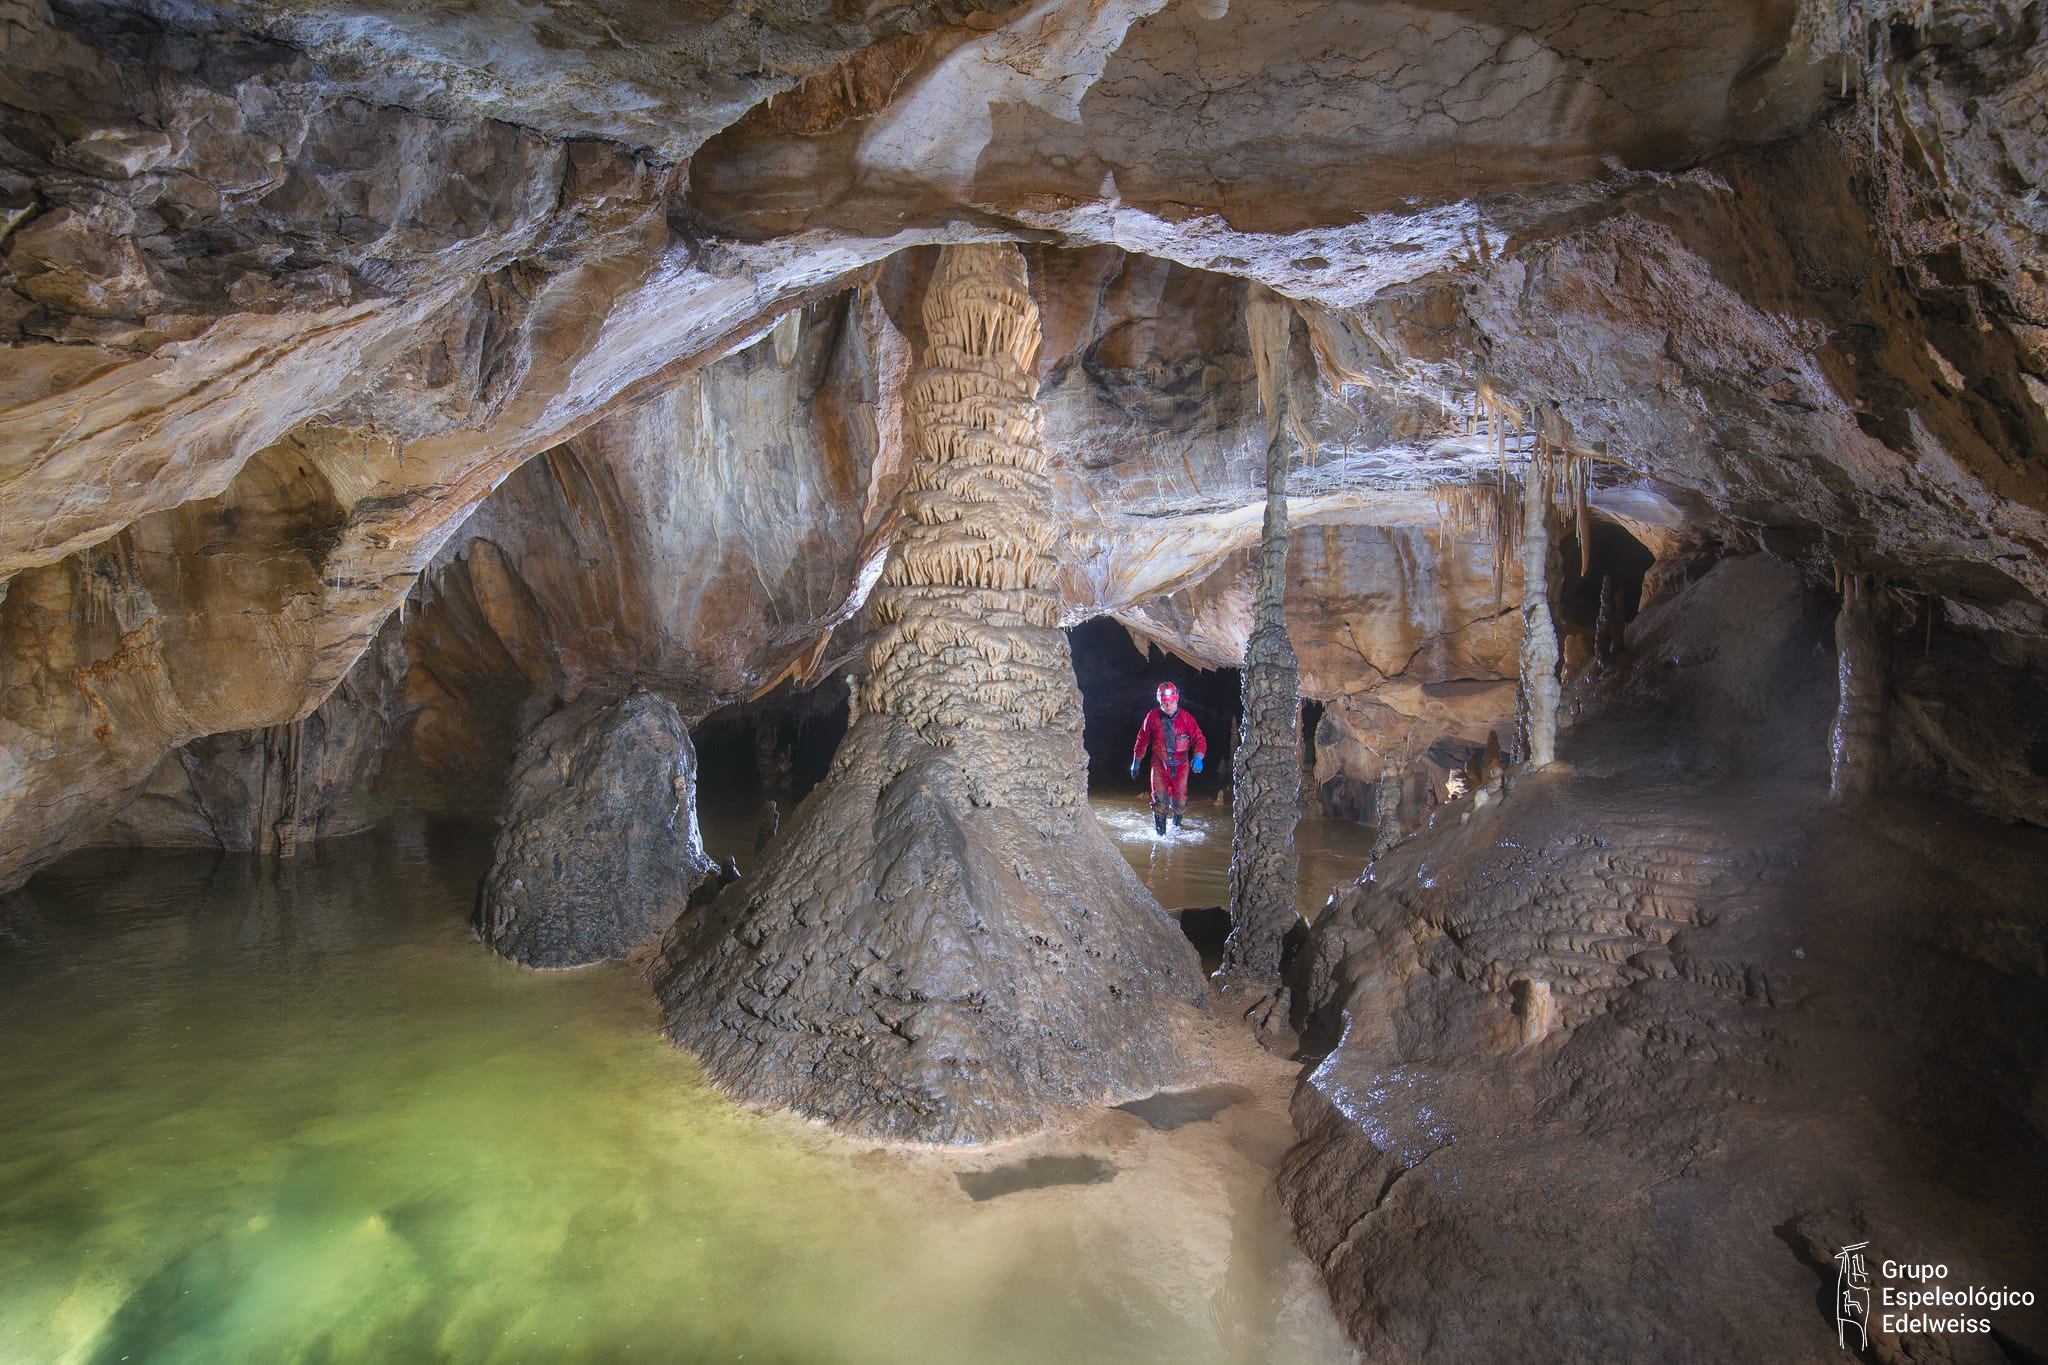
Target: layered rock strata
{"points": [[941, 944]]}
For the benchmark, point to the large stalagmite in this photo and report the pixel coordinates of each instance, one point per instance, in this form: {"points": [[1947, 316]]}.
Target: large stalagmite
{"points": [[1264, 865], [942, 944]]}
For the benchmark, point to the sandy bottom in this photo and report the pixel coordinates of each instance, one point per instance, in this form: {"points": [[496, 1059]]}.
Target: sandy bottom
{"points": [[296, 1113]]}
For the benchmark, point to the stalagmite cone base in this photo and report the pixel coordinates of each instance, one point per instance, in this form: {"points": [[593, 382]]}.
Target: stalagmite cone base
{"points": [[943, 945]]}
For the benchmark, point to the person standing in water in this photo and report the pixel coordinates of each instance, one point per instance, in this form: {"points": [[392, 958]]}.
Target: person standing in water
{"points": [[1177, 747]]}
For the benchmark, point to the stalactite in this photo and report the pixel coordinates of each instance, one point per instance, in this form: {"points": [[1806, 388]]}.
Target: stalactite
{"points": [[1858, 740], [1266, 771], [1539, 685], [1579, 473]]}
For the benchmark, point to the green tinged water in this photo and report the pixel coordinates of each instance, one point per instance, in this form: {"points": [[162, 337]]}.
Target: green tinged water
{"points": [[276, 1112]]}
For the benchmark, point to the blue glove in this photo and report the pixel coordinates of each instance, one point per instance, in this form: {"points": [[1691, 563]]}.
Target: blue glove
{"points": [[1198, 763], [1134, 767]]}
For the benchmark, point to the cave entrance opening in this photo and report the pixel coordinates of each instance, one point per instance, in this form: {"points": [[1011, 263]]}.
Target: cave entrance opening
{"points": [[774, 749], [1117, 681]]}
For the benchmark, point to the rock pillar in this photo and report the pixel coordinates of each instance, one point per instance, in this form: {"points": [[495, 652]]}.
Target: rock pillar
{"points": [[942, 944], [1539, 632], [1266, 771], [1857, 742]]}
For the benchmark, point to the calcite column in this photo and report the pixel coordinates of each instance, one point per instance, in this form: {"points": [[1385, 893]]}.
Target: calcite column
{"points": [[1266, 771], [1540, 689], [942, 944], [968, 645], [1858, 739]]}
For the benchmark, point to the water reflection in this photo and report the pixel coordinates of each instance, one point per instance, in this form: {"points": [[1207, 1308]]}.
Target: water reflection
{"points": [[293, 1112], [1190, 866]]}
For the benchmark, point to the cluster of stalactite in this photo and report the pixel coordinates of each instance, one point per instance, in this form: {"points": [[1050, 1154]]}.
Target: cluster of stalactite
{"points": [[1266, 771], [1516, 517], [967, 634]]}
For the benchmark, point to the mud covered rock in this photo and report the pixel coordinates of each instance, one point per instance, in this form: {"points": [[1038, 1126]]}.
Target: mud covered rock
{"points": [[599, 848], [1612, 1065], [911, 962]]}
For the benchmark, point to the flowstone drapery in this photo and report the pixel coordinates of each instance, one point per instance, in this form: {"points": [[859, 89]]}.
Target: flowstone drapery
{"points": [[942, 944]]}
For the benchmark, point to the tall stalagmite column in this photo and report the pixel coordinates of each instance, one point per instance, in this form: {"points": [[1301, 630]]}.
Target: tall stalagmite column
{"points": [[968, 647], [1266, 770], [1540, 688], [1857, 741], [941, 943]]}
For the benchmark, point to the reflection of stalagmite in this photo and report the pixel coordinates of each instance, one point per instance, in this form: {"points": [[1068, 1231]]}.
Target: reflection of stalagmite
{"points": [[942, 944], [1539, 633], [1266, 770], [1857, 742]]}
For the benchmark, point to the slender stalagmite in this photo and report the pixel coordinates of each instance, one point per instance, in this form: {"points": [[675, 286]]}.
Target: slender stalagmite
{"points": [[941, 943], [1857, 741], [1608, 627], [1539, 632], [1266, 770]]}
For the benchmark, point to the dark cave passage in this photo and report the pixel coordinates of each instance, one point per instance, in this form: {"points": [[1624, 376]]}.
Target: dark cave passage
{"points": [[1117, 684]]}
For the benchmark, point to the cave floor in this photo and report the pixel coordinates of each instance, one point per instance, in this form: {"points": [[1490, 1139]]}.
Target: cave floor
{"points": [[295, 1112]]}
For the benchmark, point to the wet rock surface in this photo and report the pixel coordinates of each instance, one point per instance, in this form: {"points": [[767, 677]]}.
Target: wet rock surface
{"points": [[910, 962], [599, 850], [1608, 1057]]}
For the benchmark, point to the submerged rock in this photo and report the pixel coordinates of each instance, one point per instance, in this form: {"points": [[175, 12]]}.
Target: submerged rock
{"points": [[599, 848]]}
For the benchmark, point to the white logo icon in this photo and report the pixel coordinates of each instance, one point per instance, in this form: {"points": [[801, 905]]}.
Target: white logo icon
{"points": [[1852, 1297]]}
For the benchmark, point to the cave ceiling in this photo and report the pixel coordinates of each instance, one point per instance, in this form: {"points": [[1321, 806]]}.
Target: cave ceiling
{"points": [[1775, 268]]}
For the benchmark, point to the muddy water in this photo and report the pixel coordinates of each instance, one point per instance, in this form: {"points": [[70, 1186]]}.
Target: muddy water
{"points": [[264, 1113], [1190, 866]]}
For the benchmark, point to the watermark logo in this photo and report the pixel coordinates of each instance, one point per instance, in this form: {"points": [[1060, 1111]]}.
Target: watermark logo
{"points": [[1898, 1299], [1852, 1297]]}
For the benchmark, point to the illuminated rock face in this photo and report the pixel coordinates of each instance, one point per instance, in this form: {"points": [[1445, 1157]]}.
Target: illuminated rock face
{"points": [[942, 944], [967, 642]]}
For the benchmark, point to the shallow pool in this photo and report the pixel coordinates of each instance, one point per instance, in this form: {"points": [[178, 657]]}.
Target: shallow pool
{"points": [[1190, 866], [261, 1111]]}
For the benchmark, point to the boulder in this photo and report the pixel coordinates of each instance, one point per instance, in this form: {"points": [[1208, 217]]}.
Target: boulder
{"points": [[598, 851]]}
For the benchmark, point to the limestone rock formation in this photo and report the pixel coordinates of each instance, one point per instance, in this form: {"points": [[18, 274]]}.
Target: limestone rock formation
{"points": [[1266, 770], [942, 944], [598, 851], [1615, 1063]]}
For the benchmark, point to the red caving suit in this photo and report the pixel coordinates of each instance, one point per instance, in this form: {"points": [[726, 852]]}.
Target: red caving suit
{"points": [[1170, 743]]}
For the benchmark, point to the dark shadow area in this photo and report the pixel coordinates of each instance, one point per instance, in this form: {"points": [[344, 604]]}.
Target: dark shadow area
{"points": [[1171, 1109], [779, 746], [756, 760], [1117, 683], [1616, 554], [1035, 1173]]}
